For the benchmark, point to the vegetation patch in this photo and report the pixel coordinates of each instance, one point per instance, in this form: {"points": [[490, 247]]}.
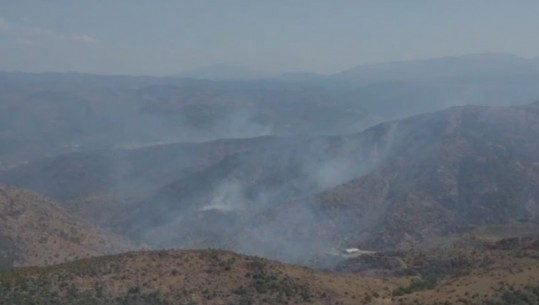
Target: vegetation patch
{"points": [[423, 283]]}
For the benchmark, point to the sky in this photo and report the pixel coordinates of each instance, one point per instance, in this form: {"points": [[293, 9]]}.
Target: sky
{"points": [[166, 37]]}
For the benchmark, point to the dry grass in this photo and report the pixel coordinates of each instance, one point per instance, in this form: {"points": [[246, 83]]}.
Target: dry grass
{"points": [[44, 233], [220, 277]]}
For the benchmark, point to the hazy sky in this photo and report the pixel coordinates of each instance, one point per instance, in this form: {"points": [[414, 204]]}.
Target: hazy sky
{"points": [[161, 37]]}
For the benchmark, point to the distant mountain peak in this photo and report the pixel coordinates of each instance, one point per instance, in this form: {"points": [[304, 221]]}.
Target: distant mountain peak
{"points": [[467, 65]]}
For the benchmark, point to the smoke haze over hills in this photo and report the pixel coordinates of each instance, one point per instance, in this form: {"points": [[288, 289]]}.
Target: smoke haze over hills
{"points": [[394, 142]]}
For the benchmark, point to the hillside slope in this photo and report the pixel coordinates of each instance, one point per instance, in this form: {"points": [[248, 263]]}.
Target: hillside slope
{"points": [[503, 273], [452, 171], [35, 231], [181, 277], [405, 182]]}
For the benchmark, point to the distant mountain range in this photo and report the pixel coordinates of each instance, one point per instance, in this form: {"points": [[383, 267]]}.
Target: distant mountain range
{"points": [[464, 66], [224, 72], [51, 113], [468, 66]]}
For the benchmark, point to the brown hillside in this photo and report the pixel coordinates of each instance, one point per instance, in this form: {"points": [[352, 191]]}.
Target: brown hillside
{"points": [[35, 231], [448, 172], [482, 168], [186, 277], [492, 274]]}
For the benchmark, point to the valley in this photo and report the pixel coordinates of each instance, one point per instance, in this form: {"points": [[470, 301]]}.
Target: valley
{"points": [[384, 184]]}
